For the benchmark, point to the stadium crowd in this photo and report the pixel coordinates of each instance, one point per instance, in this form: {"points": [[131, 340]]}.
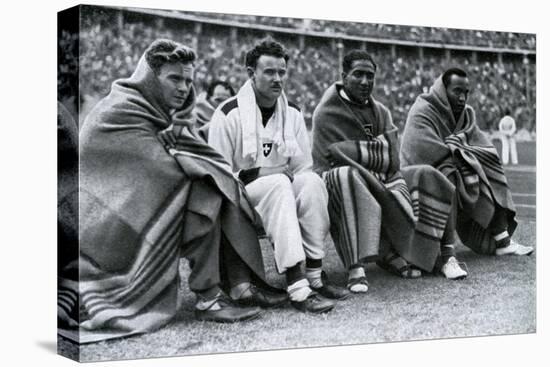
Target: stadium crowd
{"points": [[470, 37], [108, 52]]}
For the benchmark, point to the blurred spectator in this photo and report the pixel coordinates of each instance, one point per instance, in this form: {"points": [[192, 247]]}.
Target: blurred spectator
{"points": [[389, 31], [217, 92]]}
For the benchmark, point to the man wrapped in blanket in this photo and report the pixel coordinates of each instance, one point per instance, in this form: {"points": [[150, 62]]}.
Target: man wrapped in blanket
{"points": [[264, 138], [441, 131], [378, 211], [145, 202]]}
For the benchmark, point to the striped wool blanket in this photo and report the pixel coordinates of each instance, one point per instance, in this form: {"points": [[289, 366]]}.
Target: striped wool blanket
{"points": [[140, 209], [461, 151], [371, 198]]}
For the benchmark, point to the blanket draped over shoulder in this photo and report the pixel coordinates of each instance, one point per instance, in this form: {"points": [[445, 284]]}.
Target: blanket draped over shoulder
{"points": [[361, 169], [203, 113], [140, 208], [203, 110], [465, 154]]}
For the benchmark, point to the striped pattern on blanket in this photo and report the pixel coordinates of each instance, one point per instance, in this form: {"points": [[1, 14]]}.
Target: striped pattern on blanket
{"points": [[483, 162], [482, 176], [415, 204], [141, 209], [482, 188], [407, 218], [431, 213], [377, 154], [465, 155], [119, 298], [141, 299], [354, 214]]}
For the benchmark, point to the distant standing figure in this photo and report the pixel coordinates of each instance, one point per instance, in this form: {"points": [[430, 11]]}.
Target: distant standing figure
{"points": [[507, 128]]}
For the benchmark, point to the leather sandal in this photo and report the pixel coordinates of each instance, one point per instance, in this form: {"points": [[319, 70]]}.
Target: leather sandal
{"points": [[395, 264]]}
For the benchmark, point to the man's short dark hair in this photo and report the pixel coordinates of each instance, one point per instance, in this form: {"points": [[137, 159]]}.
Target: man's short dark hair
{"points": [[165, 51], [267, 47], [450, 72], [215, 83], [356, 55]]}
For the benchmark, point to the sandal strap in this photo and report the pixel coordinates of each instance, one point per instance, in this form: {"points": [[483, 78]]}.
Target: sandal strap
{"points": [[404, 271], [392, 256], [397, 262], [410, 268]]}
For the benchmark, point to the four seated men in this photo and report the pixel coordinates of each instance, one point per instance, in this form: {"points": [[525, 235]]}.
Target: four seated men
{"points": [[209, 202]]}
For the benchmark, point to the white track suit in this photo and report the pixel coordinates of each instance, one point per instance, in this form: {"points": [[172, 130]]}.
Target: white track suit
{"points": [[507, 128], [294, 214]]}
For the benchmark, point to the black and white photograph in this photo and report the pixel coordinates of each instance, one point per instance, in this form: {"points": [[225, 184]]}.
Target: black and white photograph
{"points": [[234, 179]]}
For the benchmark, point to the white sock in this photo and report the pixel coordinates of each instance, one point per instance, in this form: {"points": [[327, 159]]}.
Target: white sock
{"points": [[238, 291], [501, 236], [203, 304], [354, 274], [314, 277], [299, 291]]}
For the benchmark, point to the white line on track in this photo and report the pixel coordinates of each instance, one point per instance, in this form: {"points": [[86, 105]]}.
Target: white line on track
{"points": [[523, 194], [525, 206]]}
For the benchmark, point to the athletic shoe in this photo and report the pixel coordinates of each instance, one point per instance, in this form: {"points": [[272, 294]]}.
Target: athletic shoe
{"points": [[452, 270], [514, 248]]}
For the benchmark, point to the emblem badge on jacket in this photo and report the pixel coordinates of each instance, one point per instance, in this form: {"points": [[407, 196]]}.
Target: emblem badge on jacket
{"points": [[266, 148]]}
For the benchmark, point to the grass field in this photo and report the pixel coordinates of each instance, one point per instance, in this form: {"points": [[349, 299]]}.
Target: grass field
{"points": [[498, 297]]}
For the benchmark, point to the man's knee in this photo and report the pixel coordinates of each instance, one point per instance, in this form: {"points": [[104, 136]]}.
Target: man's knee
{"points": [[281, 181], [279, 184], [311, 185]]}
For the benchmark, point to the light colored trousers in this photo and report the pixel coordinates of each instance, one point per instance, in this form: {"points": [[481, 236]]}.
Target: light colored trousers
{"points": [[294, 214], [509, 149]]}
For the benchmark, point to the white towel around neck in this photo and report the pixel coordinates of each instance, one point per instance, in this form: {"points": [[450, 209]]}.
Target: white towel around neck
{"points": [[249, 113]]}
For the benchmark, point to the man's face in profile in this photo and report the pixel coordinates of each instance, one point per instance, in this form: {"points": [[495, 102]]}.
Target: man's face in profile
{"points": [[175, 80]]}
